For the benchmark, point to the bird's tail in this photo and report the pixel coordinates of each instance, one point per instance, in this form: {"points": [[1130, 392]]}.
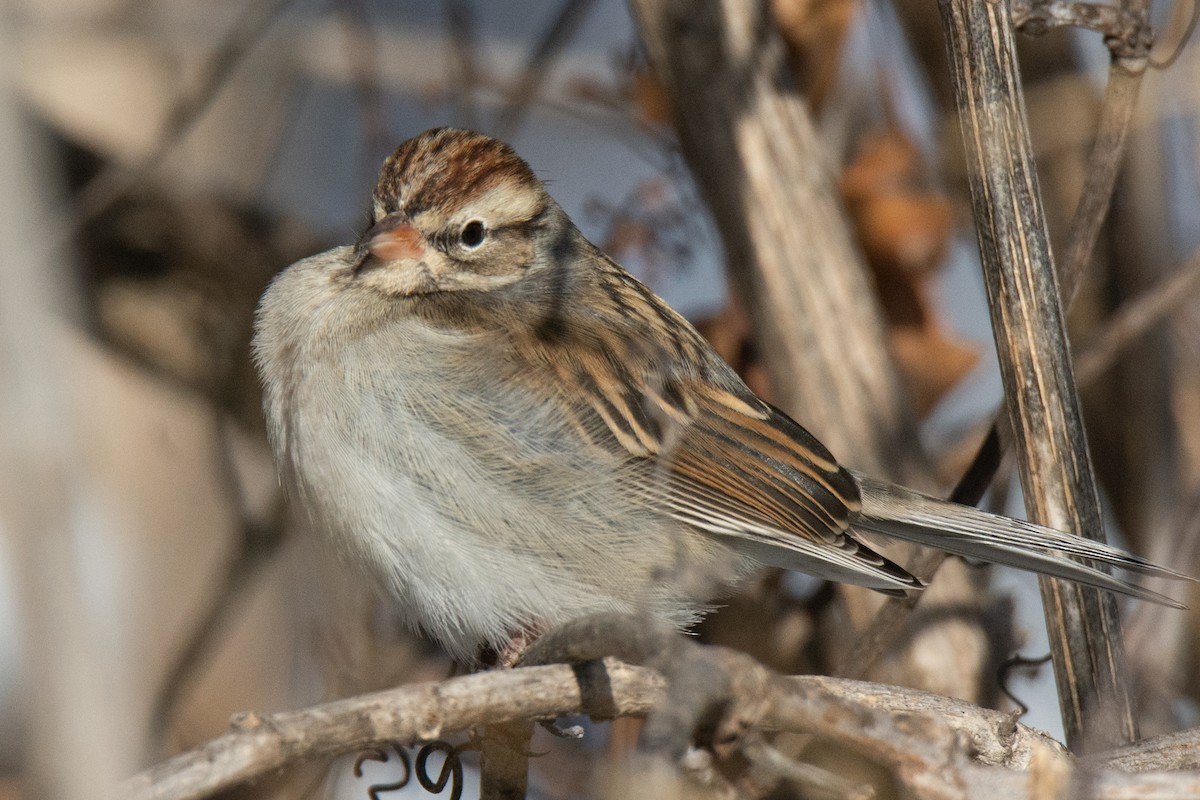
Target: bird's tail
{"points": [[966, 531]]}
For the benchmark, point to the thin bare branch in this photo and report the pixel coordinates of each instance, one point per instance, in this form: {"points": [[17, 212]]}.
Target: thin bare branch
{"points": [[1126, 32], [556, 37], [812, 781], [463, 69], [1172, 751], [1104, 163], [115, 181], [1134, 318], [934, 746]]}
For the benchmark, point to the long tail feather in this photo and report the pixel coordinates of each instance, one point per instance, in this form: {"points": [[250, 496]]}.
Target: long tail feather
{"points": [[966, 531]]}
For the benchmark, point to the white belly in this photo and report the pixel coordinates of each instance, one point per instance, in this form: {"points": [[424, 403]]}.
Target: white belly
{"points": [[455, 488]]}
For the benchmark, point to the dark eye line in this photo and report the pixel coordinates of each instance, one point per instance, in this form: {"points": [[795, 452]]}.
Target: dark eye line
{"points": [[448, 241]]}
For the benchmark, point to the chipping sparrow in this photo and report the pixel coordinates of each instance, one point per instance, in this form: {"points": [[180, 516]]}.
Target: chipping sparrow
{"points": [[509, 431]]}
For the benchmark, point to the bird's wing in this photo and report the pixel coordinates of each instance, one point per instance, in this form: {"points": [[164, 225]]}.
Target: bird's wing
{"points": [[737, 467], [699, 445], [744, 470]]}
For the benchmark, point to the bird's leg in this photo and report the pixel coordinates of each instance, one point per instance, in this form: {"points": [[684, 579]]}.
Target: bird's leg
{"points": [[513, 651]]}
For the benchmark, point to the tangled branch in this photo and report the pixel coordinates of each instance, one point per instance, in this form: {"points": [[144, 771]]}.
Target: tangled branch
{"points": [[933, 746]]}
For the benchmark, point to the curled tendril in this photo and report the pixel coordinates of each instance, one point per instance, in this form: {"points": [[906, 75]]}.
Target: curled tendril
{"points": [[379, 754], [451, 772], [1004, 672], [1188, 29]]}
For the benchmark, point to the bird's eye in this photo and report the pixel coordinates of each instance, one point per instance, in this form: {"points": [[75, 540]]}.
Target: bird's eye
{"points": [[473, 234]]}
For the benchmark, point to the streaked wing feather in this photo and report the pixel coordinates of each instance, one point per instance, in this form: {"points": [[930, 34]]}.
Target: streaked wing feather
{"points": [[700, 445], [732, 469], [705, 450]]}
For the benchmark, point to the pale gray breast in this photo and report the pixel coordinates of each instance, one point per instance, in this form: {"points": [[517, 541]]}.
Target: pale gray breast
{"points": [[447, 433]]}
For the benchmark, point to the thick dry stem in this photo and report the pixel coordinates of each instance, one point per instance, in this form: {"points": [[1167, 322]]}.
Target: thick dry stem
{"points": [[1043, 403], [750, 143], [1104, 163]]}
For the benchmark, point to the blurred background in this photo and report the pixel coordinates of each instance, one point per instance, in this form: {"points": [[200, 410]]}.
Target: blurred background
{"points": [[161, 160]]}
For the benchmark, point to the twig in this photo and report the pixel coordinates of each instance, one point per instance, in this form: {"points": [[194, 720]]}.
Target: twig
{"points": [[1005, 672], [464, 73], [1134, 318], [1125, 30], [566, 22], [1172, 751], [813, 781], [1104, 163], [935, 746], [1042, 398], [362, 55], [114, 182], [1189, 27]]}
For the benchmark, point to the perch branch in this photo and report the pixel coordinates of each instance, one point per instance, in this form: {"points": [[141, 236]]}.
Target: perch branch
{"points": [[259, 744], [936, 746]]}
